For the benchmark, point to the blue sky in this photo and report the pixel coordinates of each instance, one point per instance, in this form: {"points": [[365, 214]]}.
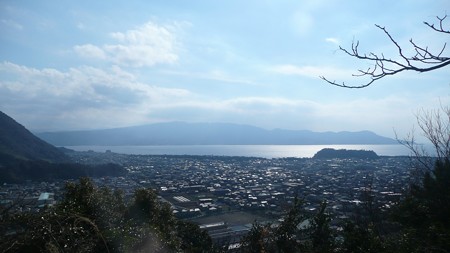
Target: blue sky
{"points": [[67, 65]]}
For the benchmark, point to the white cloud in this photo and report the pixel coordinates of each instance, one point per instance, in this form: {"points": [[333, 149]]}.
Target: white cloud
{"points": [[85, 92], [90, 51], [379, 115], [146, 45], [261, 103], [88, 97], [12, 24], [302, 22], [333, 40], [313, 71], [307, 15], [215, 75], [80, 26]]}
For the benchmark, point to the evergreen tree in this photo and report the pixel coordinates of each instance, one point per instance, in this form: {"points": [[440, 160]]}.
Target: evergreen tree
{"points": [[322, 238], [259, 239], [425, 212], [92, 219], [289, 236]]}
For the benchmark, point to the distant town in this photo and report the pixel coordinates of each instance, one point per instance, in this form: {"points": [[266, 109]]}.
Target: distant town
{"points": [[225, 195]]}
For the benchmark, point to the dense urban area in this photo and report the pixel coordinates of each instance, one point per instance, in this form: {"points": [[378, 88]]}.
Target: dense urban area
{"points": [[225, 195]]}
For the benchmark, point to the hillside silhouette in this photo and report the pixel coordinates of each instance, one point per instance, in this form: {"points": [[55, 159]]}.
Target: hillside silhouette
{"points": [[330, 153], [24, 156], [18, 142]]}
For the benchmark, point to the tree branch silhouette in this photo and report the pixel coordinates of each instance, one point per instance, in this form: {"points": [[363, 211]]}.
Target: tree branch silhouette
{"points": [[422, 61]]}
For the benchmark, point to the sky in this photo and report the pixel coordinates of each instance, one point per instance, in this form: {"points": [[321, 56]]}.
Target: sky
{"points": [[75, 65]]}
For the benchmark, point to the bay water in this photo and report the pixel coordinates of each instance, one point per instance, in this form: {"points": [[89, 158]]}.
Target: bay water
{"points": [[265, 151]]}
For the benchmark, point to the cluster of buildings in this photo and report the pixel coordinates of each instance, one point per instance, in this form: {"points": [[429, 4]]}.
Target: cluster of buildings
{"points": [[206, 186], [268, 186], [29, 197], [199, 187]]}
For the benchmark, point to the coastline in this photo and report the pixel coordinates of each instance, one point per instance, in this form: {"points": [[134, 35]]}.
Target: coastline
{"points": [[264, 151]]}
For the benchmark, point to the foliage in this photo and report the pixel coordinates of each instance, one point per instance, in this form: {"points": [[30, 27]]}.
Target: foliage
{"points": [[322, 237], [424, 214], [292, 234], [15, 170], [192, 238], [92, 219], [358, 238], [259, 239], [288, 235], [51, 231]]}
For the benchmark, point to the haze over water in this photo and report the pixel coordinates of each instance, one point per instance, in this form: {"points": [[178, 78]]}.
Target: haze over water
{"points": [[265, 151]]}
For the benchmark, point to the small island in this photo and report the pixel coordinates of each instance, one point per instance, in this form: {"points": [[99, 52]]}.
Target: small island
{"points": [[330, 153]]}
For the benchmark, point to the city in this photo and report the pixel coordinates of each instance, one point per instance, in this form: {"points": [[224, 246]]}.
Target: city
{"points": [[225, 195]]}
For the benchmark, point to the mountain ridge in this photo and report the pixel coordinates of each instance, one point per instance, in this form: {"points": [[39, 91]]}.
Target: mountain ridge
{"points": [[23, 157], [184, 133], [18, 142]]}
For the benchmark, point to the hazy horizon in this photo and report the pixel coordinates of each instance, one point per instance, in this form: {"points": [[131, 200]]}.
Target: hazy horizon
{"points": [[93, 65], [197, 122]]}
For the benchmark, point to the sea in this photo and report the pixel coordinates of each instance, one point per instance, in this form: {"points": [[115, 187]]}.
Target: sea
{"points": [[264, 151]]}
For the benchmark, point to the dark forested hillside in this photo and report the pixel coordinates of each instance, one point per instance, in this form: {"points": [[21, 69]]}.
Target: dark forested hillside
{"points": [[329, 153], [14, 170], [24, 156], [18, 142]]}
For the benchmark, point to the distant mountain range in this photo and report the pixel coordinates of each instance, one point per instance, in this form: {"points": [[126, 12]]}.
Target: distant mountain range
{"points": [[182, 133]]}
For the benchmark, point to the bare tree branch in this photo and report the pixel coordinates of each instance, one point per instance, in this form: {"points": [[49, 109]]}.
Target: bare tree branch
{"points": [[441, 27], [435, 127], [423, 61]]}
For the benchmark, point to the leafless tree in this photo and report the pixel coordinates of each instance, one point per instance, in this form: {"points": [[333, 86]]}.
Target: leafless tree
{"points": [[423, 59], [434, 125]]}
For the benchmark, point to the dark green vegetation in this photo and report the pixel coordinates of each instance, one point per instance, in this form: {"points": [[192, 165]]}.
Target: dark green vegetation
{"points": [[424, 214], [329, 153], [14, 170], [91, 219]]}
